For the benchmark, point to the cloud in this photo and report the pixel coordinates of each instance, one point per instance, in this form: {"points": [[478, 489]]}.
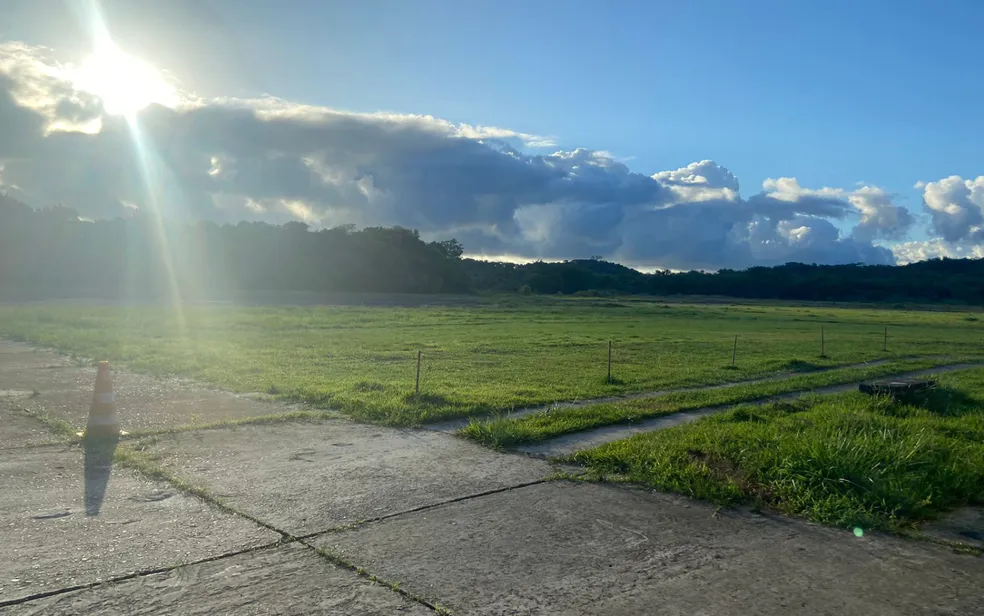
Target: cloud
{"points": [[880, 218], [789, 189], [956, 210], [702, 181], [272, 160], [955, 205], [910, 252]]}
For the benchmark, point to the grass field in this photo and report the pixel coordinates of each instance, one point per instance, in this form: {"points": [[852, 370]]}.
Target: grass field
{"points": [[847, 460], [496, 355]]}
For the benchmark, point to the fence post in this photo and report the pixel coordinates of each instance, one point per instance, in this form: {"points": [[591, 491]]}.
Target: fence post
{"points": [[417, 388], [609, 361], [734, 351]]}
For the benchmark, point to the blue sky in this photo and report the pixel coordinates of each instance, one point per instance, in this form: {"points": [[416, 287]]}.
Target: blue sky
{"points": [[831, 93]]}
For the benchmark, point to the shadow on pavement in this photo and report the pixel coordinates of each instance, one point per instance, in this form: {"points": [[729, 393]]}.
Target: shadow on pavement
{"points": [[99, 453]]}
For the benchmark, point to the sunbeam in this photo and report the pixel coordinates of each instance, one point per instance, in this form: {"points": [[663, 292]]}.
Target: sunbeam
{"points": [[125, 85]]}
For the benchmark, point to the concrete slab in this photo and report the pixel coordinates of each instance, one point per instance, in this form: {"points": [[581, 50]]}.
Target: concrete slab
{"points": [[565, 548], [67, 520], [305, 478], [63, 389], [18, 429], [966, 525], [288, 579]]}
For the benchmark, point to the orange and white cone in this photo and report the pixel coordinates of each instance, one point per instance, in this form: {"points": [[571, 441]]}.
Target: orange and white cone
{"points": [[103, 421]]}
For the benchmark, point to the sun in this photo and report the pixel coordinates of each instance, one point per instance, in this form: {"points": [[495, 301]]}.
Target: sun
{"points": [[125, 84]]}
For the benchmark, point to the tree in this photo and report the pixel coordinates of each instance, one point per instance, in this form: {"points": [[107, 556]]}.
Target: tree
{"points": [[451, 249]]}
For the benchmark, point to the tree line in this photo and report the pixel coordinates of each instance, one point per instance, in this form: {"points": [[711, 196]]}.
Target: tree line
{"points": [[52, 252], [959, 281]]}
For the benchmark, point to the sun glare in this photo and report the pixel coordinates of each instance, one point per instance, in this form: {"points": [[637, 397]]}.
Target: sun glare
{"points": [[123, 83]]}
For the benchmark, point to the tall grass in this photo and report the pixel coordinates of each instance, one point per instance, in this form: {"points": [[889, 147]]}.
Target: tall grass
{"points": [[845, 460]]}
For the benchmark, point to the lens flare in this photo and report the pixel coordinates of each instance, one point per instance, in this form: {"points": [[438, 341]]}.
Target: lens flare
{"points": [[123, 83], [126, 85]]}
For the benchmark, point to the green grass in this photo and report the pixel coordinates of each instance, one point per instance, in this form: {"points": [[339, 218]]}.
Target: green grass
{"points": [[846, 460], [502, 431], [496, 355]]}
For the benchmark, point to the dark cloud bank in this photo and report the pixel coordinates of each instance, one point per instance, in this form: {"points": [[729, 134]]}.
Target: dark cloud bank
{"points": [[274, 161]]}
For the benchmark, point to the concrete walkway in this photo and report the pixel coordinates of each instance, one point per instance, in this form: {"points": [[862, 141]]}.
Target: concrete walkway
{"points": [[460, 422], [335, 517]]}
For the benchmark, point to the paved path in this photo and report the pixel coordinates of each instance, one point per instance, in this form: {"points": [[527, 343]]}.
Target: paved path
{"points": [[569, 443], [458, 423], [339, 518]]}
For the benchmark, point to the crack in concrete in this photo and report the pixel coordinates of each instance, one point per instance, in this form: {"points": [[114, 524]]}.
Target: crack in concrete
{"points": [[65, 442], [389, 516], [134, 575], [132, 460]]}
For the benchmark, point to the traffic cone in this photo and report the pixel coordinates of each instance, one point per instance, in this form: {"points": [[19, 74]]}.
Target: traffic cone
{"points": [[103, 421]]}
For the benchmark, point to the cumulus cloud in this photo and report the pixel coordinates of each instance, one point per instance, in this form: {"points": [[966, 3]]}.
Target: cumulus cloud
{"points": [[910, 252], [702, 181], [272, 160], [880, 218], [956, 211], [789, 189], [955, 205]]}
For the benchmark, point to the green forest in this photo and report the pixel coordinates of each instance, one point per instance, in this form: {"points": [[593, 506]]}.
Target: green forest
{"points": [[51, 252]]}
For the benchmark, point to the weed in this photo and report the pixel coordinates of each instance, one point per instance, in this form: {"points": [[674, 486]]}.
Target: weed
{"points": [[798, 365], [368, 386]]}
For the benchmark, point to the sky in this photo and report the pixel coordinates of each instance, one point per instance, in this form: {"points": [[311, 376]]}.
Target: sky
{"points": [[708, 134]]}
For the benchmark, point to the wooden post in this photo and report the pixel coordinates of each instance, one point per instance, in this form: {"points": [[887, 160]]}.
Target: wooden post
{"points": [[418, 372], [885, 343], [734, 352], [821, 342], [609, 361]]}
